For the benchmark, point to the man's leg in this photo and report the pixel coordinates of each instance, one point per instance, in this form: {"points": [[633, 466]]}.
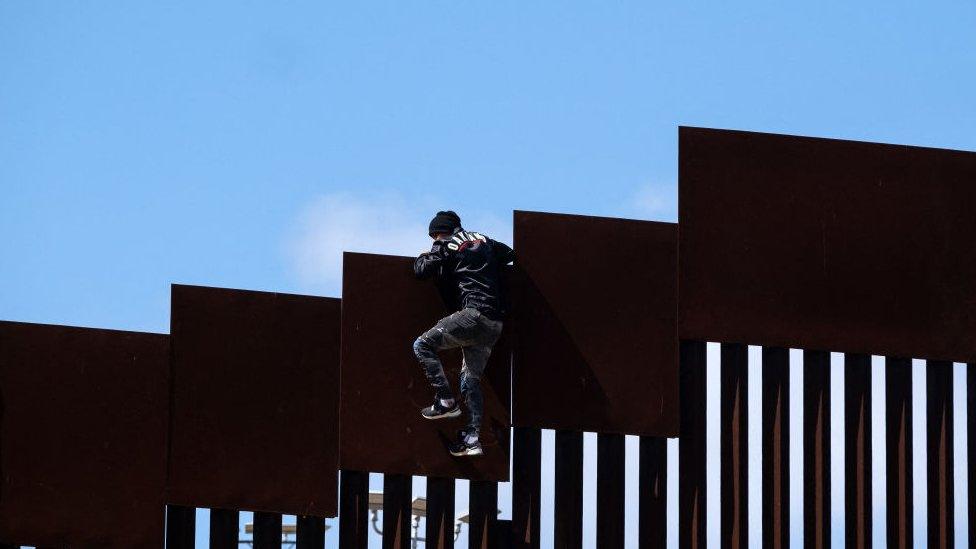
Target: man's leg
{"points": [[475, 361], [450, 332]]}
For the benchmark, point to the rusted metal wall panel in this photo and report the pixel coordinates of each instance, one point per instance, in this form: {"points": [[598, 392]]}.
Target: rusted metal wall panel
{"points": [[568, 490], [734, 445], [353, 510], [595, 314], [439, 521], [384, 309], [940, 474], [858, 498], [397, 492], [82, 436], [526, 487], [483, 514], [181, 527], [267, 531], [255, 391], [776, 447], [826, 244], [692, 488], [816, 449], [898, 456], [224, 528], [652, 506], [310, 533], [611, 506]]}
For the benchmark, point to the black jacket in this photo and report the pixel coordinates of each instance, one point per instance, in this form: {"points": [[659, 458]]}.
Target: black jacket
{"points": [[467, 270]]}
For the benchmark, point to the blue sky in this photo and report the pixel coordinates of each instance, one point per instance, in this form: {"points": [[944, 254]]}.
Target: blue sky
{"points": [[245, 144]]}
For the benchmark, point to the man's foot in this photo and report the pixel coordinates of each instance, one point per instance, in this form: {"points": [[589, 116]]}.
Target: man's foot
{"points": [[466, 445], [437, 410]]}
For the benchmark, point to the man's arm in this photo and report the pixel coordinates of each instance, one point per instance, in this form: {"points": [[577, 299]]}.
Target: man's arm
{"points": [[430, 264], [503, 253], [427, 265]]}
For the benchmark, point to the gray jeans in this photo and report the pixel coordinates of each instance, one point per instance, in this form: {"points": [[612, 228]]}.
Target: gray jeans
{"points": [[475, 334]]}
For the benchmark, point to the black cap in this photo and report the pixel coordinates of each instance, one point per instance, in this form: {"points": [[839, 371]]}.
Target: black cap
{"points": [[444, 222]]}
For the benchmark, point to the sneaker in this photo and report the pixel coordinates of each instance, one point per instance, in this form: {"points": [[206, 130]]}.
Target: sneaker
{"points": [[436, 411], [463, 448]]}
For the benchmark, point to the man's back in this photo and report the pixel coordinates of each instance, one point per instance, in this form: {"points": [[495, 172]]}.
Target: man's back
{"points": [[467, 269]]}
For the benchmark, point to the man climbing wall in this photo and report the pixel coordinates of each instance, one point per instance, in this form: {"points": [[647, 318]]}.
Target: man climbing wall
{"points": [[466, 267]]}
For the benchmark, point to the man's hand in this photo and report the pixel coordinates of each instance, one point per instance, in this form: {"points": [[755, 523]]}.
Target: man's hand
{"points": [[440, 249], [428, 264]]}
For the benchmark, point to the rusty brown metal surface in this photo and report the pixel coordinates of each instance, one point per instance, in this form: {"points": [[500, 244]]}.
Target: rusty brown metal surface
{"points": [[610, 456], [816, 449], [776, 447], [603, 310], [898, 434], [397, 496], [526, 486], [801, 242], [652, 493], [691, 448], [181, 526], [353, 509], [224, 526], [940, 474], [254, 370], [310, 533], [734, 435], [82, 436], [568, 490], [857, 450], [384, 309], [267, 530], [483, 514], [503, 527], [440, 513]]}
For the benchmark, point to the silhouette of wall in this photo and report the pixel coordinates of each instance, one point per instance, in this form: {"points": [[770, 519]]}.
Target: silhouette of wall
{"points": [[255, 401], [595, 316], [82, 436], [827, 244]]}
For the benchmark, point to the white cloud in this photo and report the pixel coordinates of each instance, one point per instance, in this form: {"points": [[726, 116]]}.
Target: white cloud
{"points": [[658, 202], [382, 222]]}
